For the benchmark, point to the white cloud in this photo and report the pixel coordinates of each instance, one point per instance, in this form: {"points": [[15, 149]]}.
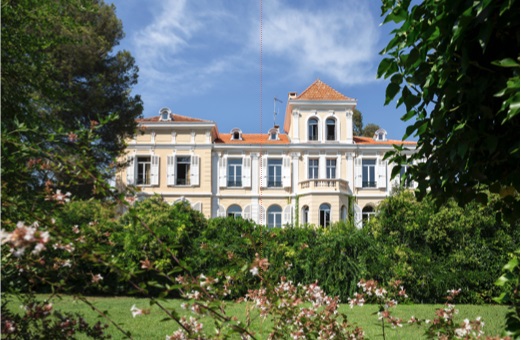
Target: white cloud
{"points": [[339, 41]]}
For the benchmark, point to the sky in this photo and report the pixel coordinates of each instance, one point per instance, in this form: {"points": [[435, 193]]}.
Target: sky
{"points": [[202, 58]]}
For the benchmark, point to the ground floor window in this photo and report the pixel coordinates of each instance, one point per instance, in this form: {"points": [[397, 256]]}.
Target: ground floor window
{"points": [[234, 211], [274, 216], [325, 215], [305, 214], [367, 213], [144, 166]]}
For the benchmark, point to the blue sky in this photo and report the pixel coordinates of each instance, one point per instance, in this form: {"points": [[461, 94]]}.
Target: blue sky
{"points": [[201, 58]]}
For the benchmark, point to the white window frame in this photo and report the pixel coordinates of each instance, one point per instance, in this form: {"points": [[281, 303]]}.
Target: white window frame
{"points": [[232, 165], [331, 166], [313, 164]]}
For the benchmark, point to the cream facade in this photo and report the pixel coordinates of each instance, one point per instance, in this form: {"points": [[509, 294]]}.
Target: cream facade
{"points": [[312, 171]]}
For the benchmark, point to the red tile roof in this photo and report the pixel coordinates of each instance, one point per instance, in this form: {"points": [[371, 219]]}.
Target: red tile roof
{"points": [[321, 91], [251, 138], [369, 140], [174, 117]]}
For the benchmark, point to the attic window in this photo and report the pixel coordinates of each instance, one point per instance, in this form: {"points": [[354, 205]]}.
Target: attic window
{"points": [[380, 135], [164, 114], [273, 134], [236, 134]]}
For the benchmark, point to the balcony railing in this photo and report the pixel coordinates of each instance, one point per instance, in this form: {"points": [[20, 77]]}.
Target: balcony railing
{"points": [[324, 185]]}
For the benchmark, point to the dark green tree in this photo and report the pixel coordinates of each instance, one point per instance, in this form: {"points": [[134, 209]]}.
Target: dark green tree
{"points": [[454, 66], [369, 130], [358, 124], [64, 89]]}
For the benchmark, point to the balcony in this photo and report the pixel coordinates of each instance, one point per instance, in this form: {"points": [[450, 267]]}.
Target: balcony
{"points": [[324, 186]]}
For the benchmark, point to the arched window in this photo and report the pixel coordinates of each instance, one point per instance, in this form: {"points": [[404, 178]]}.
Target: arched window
{"points": [[367, 213], [330, 129], [313, 129], [343, 213], [305, 214], [234, 211], [325, 215], [236, 134], [274, 216]]}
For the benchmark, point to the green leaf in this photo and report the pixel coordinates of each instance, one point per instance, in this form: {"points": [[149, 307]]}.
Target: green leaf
{"points": [[390, 92], [507, 62], [383, 67]]}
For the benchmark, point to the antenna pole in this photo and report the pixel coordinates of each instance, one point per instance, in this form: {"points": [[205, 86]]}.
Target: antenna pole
{"points": [[275, 100]]}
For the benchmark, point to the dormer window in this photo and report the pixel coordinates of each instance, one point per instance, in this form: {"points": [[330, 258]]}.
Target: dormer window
{"points": [[164, 114], [380, 135], [273, 134], [236, 134]]}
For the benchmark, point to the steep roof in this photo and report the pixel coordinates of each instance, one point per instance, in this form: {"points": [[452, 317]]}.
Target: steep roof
{"points": [[321, 91], [251, 138]]}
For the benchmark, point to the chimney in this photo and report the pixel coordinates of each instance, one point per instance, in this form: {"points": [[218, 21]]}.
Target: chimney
{"points": [[292, 95]]}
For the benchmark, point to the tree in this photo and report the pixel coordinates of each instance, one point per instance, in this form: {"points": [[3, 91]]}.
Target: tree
{"points": [[454, 65], [358, 125], [63, 90], [369, 130]]}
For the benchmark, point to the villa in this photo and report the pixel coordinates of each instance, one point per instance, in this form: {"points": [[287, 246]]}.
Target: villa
{"points": [[312, 171]]}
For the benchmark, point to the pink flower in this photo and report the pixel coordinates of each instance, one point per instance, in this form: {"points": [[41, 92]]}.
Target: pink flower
{"points": [[97, 278], [136, 311]]}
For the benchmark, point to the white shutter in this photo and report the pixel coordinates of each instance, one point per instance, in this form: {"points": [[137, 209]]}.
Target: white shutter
{"points": [[358, 216], [131, 169], [382, 173], [395, 182], [264, 172], [194, 170], [358, 172], [246, 171], [221, 212], [246, 214], [170, 170], [262, 219], [287, 215], [154, 170], [286, 172], [222, 172]]}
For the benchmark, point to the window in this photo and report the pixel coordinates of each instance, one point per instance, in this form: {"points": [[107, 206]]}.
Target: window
{"points": [[305, 214], [330, 129], [183, 170], [274, 173], [234, 211], [274, 216], [343, 213], [164, 114], [312, 168], [236, 134], [273, 136], [367, 213], [407, 182], [325, 215], [313, 129], [368, 173], [273, 133], [144, 167], [234, 172], [330, 168]]}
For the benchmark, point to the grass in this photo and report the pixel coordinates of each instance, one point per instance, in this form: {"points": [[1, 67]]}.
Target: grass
{"points": [[152, 326]]}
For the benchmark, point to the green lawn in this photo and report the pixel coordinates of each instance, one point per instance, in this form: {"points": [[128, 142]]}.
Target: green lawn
{"points": [[151, 327]]}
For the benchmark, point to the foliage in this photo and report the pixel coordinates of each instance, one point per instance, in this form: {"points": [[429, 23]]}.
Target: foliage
{"points": [[454, 65], [509, 282], [358, 125], [156, 233], [65, 98], [369, 130], [432, 249]]}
